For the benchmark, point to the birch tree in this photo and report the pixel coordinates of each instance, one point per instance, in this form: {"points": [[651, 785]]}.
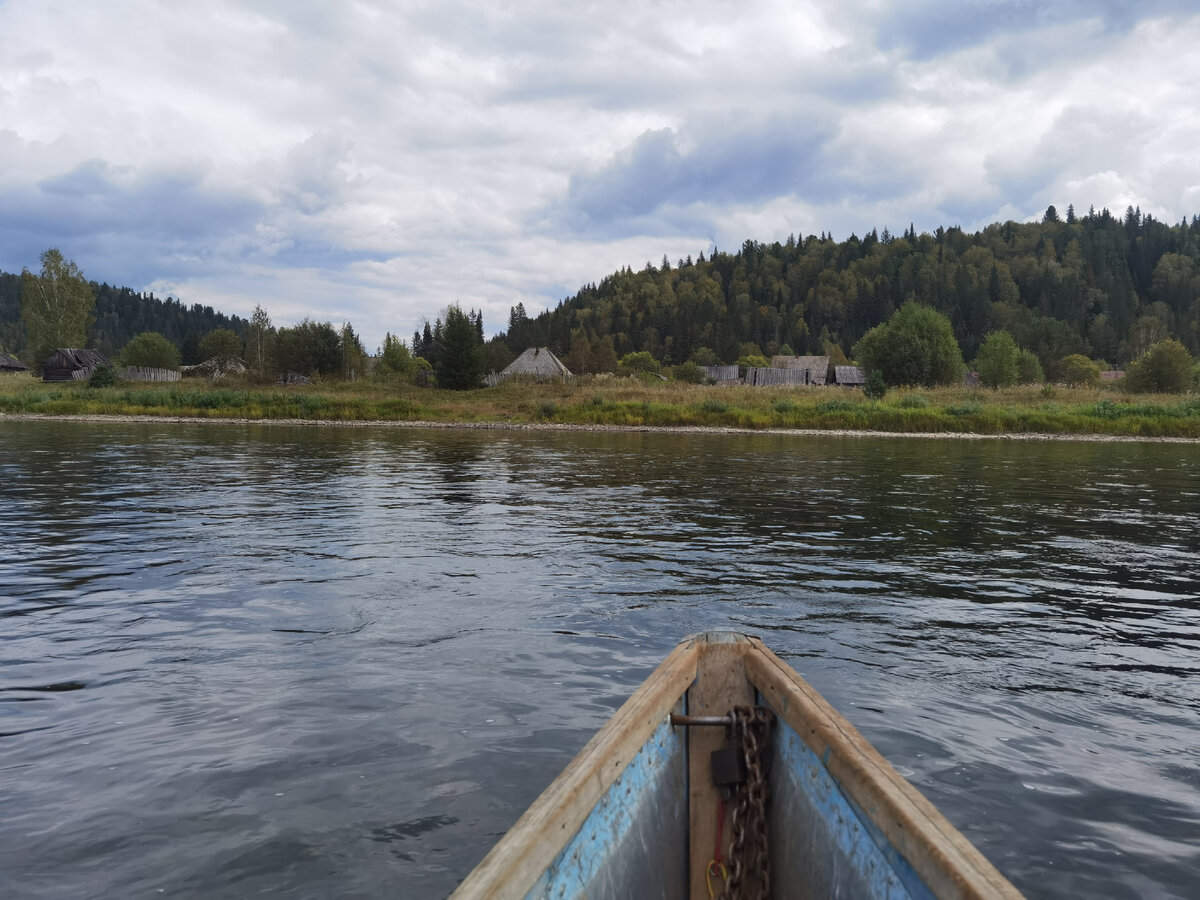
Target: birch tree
{"points": [[57, 306]]}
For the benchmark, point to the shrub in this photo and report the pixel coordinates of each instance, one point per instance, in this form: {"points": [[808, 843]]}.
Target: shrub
{"points": [[688, 372], [997, 360], [1029, 368], [221, 344], [546, 409], [753, 361], [837, 405], [875, 388], [1166, 368], [639, 361], [103, 376], [913, 401], [783, 405], [1079, 371], [966, 408], [152, 350], [714, 406]]}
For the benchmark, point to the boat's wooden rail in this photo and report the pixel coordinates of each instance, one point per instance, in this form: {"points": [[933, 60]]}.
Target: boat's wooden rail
{"points": [[716, 671]]}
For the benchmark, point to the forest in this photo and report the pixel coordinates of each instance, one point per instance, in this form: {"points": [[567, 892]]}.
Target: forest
{"points": [[121, 314], [1099, 285]]}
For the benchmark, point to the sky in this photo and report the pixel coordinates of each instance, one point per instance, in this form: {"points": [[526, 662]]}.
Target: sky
{"points": [[373, 162]]}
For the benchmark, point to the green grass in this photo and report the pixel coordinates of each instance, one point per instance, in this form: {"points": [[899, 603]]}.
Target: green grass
{"points": [[633, 402]]}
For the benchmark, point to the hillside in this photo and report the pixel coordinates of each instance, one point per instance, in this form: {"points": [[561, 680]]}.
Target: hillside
{"points": [[122, 313], [1100, 285]]}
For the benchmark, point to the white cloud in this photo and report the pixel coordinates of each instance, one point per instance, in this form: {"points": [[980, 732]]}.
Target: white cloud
{"points": [[378, 160]]}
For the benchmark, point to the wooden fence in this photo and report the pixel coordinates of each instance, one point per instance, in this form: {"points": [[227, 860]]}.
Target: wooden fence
{"points": [[774, 377], [143, 373], [722, 373]]}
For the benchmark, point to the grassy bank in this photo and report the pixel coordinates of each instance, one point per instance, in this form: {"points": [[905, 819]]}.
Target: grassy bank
{"points": [[629, 402]]}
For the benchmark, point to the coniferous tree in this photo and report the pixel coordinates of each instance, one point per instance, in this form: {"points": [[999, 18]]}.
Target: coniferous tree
{"points": [[459, 364]]}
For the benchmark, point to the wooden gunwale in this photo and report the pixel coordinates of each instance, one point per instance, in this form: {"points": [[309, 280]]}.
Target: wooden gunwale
{"points": [[947, 862], [531, 845]]}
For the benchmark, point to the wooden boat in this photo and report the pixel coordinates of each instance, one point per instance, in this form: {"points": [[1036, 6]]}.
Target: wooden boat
{"points": [[637, 814]]}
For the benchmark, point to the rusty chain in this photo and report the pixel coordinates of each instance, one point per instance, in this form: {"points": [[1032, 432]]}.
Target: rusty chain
{"points": [[749, 870]]}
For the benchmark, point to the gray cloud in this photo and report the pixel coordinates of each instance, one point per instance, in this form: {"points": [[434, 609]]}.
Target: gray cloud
{"points": [[378, 160]]}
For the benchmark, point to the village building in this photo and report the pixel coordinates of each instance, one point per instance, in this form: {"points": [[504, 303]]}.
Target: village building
{"points": [[10, 365], [67, 364], [849, 376], [537, 363], [790, 370]]}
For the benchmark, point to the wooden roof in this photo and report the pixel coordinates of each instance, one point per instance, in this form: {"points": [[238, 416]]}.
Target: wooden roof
{"points": [[537, 362], [71, 358], [816, 363], [10, 363]]}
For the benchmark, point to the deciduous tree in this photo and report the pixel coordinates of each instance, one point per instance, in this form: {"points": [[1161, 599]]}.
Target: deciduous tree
{"points": [[1165, 368], [57, 306], [152, 350], [915, 346], [997, 361], [220, 344]]}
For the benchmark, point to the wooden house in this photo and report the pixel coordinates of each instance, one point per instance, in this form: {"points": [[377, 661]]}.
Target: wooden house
{"points": [[537, 363], [66, 364], [11, 365], [791, 370], [849, 376]]}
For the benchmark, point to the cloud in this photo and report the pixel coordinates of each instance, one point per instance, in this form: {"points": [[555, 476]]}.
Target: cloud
{"points": [[376, 161]]}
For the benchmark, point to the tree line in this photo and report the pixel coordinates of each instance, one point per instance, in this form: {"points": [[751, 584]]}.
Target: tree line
{"points": [[118, 314], [1097, 285]]}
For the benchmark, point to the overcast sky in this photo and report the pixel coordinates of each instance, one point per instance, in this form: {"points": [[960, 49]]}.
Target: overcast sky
{"points": [[374, 161]]}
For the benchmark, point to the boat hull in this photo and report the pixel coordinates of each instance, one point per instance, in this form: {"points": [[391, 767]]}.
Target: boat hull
{"points": [[636, 813]]}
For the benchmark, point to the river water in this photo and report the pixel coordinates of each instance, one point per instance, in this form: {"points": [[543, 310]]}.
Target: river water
{"points": [[317, 662]]}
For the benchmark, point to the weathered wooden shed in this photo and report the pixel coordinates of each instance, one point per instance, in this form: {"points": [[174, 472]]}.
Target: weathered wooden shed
{"points": [[68, 364], [849, 376], [816, 367], [11, 365], [538, 363]]}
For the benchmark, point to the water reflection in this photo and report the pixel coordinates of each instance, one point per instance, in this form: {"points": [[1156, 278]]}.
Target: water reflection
{"points": [[331, 661]]}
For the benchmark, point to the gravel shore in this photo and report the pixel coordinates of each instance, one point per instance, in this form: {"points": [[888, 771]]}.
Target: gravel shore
{"points": [[551, 426]]}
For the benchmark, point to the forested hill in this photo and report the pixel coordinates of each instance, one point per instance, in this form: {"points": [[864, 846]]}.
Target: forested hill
{"points": [[1101, 285], [120, 314]]}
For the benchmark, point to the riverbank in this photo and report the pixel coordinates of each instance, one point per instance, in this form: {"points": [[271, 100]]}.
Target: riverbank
{"points": [[1032, 413]]}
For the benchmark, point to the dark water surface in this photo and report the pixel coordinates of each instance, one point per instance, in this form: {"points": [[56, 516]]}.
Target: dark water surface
{"points": [[336, 662]]}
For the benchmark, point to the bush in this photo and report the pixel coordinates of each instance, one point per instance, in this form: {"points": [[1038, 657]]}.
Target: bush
{"points": [[838, 405], [753, 361], [688, 372], [103, 376], [220, 344], [997, 360], [875, 388], [1079, 371], [639, 361], [714, 406], [913, 401], [966, 408], [152, 350], [1029, 368], [1166, 368]]}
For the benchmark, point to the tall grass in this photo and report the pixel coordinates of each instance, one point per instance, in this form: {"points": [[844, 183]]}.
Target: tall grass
{"points": [[632, 402]]}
